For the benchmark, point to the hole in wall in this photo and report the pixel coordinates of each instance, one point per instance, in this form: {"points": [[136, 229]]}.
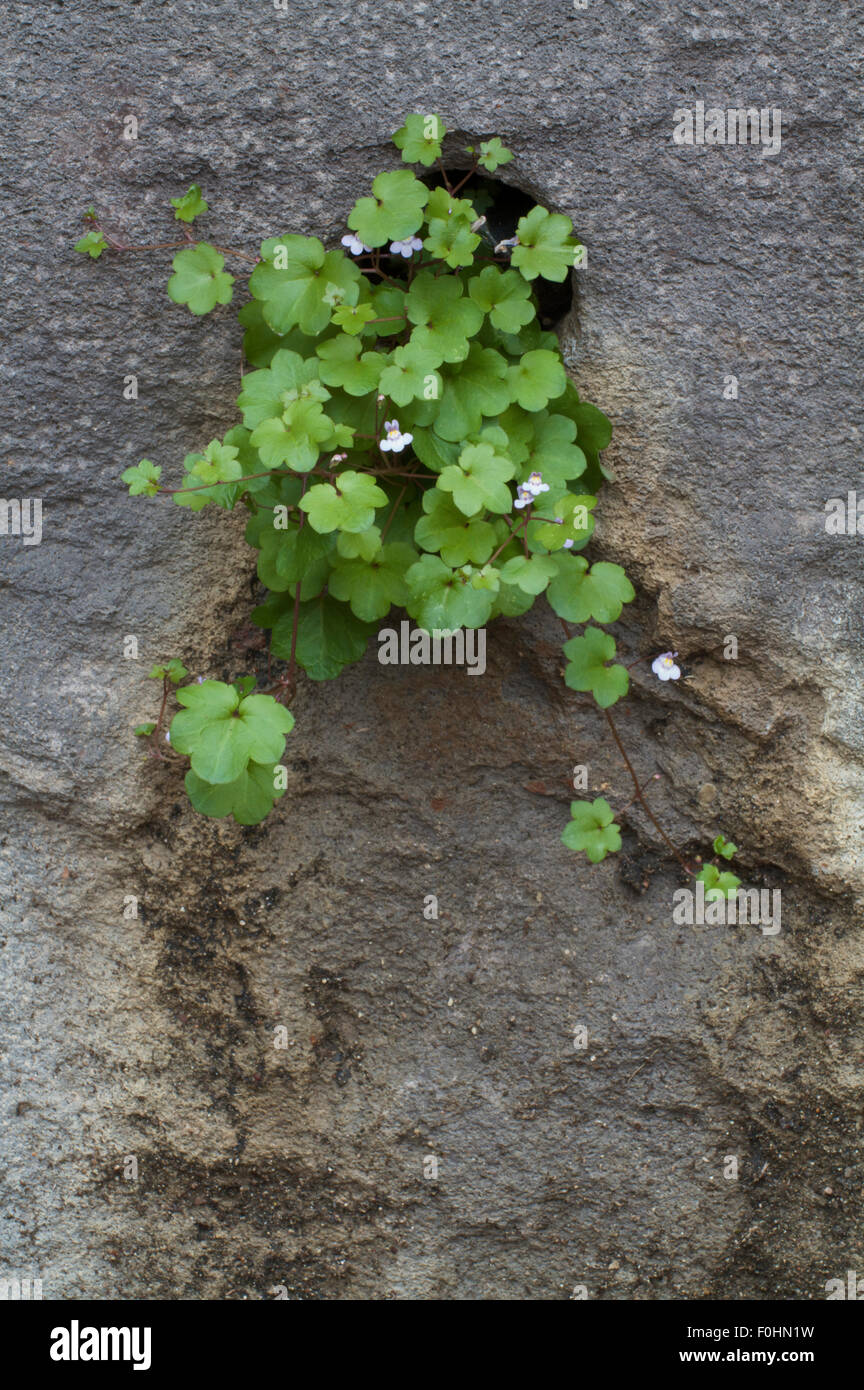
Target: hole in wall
{"points": [[502, 204]]}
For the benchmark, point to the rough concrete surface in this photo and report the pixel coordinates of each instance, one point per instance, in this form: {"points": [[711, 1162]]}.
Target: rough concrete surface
{"points": [[302, 1169]]}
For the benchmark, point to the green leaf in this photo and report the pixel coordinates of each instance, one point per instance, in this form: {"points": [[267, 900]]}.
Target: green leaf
{"points": [[717, 884], [349, 506], [443, 205], [519, 428], [190, 206], [546, 246], [143, 478], [277, 512], [92, 244], [324, 507], [536, 379], [487, 577], [343, 364], [575, 522], [362, 545], [352, 318], [225, 466], [411, 375], [493, 154], [389, 305], [223, 748], [294, 555], [297, 283], [442, 599], [295, 438], [173, 670], [511, 602], [478, 387], [577, 593], [199, 280], [249, 799], [250, 462], [260, 343], [479, 481], [528, 339], [450, 221], [504, 296], [452, 240], [587, 669], [420, 138], [329, 636], [267, 393], [394, 211], [142, 730], [592, 829], [221, 732], [444, 316], [460, 539], [434, 451], [551, 451], [217, 464], [725, 848], [529, 573], [594, 428], [267, 722], [372, 586]]}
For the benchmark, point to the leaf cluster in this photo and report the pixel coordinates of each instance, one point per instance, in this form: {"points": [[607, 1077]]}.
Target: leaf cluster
{"points": [[409, 439]]}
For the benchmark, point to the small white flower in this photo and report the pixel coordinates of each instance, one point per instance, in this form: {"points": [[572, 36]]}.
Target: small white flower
{"points": [[524, 496], [200, 680], [355, 245], [567, 544], [506, 245], [535, 485], [395, 441], [407, 247], [167, 736], [664, 667]]}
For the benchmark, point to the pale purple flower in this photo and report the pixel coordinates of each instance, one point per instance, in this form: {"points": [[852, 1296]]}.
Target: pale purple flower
{"points": [[407, 247], [355, 245], [395, 440], [567, 544], [664, 667], [524, 496], [535, 485]]}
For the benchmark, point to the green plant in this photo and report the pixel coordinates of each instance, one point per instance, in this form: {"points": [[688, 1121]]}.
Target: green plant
{"points": [[409, 437]]}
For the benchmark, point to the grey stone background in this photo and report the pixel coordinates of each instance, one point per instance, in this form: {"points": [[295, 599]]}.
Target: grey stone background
{"points": [[302, 1169]]}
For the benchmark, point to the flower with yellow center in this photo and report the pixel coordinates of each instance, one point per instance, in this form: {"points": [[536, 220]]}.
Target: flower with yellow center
{"points": [[394, 441], [664, 667]]}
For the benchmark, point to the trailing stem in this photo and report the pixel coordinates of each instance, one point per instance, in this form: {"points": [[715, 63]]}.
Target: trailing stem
{"points": [[639, 794]]}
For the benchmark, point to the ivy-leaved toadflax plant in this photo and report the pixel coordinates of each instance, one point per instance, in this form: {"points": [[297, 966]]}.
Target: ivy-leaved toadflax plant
{"points": [[409, 438]]}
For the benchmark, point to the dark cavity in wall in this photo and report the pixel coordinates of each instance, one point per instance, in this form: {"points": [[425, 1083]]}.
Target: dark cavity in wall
{"points": [[502, 205]]}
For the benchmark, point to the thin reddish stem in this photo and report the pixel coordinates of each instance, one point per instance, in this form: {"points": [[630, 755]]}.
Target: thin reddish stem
{"points": [[462, 182], [637, 786], [393, 513], [640, 795]]}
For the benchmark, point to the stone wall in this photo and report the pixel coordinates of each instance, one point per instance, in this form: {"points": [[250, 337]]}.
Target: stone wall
{"points": [[303, 1168]]}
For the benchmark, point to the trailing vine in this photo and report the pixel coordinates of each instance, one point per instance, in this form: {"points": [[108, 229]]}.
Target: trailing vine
{"points": [[409, 438]]}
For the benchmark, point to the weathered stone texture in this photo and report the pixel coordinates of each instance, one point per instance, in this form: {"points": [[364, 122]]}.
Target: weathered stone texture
{"points": [[303, 1167]]}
